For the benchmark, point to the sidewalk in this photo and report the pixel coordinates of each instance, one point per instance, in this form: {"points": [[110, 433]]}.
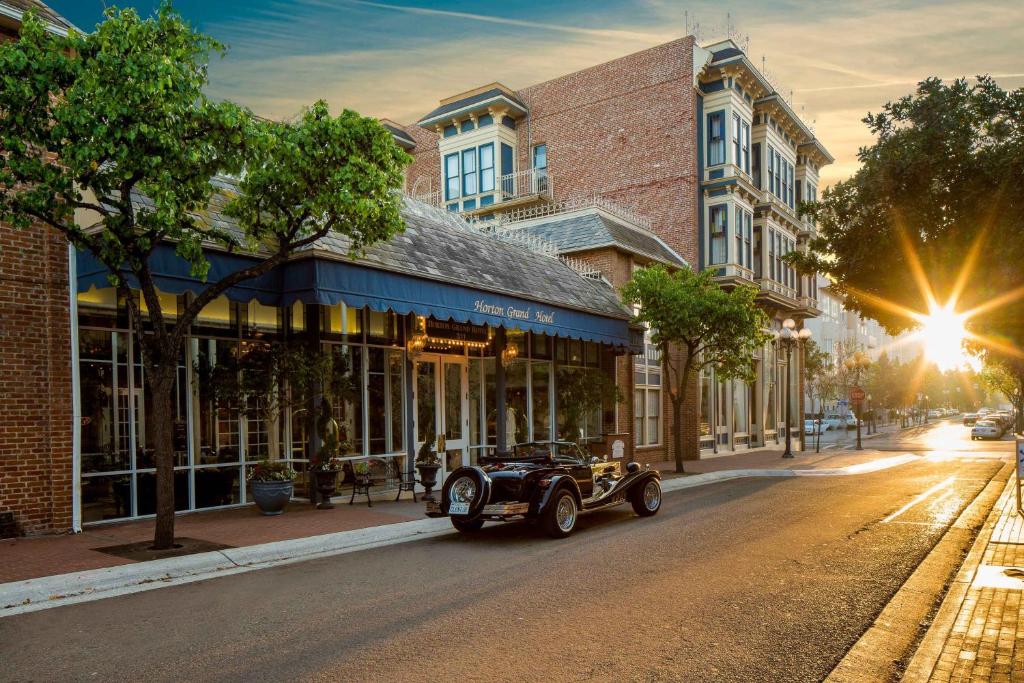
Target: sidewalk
{"points": [[975, 635], [30, 558]]}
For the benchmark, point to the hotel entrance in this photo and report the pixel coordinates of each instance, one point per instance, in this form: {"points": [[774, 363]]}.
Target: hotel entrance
{"points": [[442, 407]]}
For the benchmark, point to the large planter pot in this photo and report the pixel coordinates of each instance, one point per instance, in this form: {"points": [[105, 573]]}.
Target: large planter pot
{"points": [[428, 477], [271, 496], [326, 483]]}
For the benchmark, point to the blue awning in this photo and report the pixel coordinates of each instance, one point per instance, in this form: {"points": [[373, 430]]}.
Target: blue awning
{"points": [[324, 281], [173, 275]]}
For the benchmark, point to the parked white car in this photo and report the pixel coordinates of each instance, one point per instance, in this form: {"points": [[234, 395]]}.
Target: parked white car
{"points": [[986, 429], [809, 426]]}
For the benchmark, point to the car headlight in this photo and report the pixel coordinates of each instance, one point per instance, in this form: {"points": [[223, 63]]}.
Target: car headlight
{"points": [[463, 490]]}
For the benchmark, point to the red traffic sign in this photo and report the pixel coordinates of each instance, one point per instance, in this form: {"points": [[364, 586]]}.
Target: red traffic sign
{"points": [[857, 394]]}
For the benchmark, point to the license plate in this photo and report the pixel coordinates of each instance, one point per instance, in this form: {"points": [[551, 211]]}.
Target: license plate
{"points": [[458, 509]]}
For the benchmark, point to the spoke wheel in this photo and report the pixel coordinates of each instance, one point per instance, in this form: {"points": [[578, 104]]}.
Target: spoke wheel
{"points": [[646, 499], [560, 515]]}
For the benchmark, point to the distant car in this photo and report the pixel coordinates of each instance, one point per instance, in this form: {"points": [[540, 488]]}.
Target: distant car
{"points": [[934, 414], [986, 429], [970, 419], [809, 426]]}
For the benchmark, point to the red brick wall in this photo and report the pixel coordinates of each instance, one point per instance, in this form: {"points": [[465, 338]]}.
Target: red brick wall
{"points": [[624, 130], [426, 164], [35, 382]]}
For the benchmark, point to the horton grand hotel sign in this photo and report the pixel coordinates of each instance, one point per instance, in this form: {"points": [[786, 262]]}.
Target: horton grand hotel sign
{"points": [[513, 313]]}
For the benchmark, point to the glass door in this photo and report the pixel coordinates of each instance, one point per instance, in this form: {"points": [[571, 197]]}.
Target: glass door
{"points": [[455, 420], [442, 408]]}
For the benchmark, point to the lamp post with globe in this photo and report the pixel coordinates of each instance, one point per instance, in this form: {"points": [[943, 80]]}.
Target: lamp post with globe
{"points": [[789, 337]]}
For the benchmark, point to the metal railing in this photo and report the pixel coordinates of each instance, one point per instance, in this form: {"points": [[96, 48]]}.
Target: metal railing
{"points": [[527, 183], [577, 204], [777, 288]]}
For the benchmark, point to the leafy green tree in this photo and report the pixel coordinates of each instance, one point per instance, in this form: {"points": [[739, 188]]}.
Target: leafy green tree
{"points": [[939, 192], [91, 123], [696, 324], [1005, 377], [820, 379]]}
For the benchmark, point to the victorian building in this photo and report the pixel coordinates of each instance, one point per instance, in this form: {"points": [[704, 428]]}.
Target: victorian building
{"points": [[679, 154]]}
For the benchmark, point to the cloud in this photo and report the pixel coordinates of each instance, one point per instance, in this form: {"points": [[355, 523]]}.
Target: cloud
{"points": [[396, 60]]}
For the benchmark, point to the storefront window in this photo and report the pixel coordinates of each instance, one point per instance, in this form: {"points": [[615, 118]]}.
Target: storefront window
{"points": [[396, 400], [426, 401], [705, 402], [740, 392], [377, 404], [540, 387], [516, 416], [348, 409]]}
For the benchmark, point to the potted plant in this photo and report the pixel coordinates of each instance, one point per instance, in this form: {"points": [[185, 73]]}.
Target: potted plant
{"points": [[271, 485], [427, 463], [326, 466]]}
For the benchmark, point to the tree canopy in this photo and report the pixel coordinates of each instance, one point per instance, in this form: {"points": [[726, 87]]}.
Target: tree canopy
{"points": [[110, 139], [696, 324], [942, 184]]}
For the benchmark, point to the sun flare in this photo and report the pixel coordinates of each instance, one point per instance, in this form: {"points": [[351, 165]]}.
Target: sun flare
{"points": [[943, 333]]}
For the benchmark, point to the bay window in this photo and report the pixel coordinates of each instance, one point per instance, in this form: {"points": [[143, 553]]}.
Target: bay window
{"points": [[718, 223], [716, 138]]}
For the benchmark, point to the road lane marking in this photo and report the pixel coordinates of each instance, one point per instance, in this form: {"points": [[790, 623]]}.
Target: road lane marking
{"points": [[948, 482]]}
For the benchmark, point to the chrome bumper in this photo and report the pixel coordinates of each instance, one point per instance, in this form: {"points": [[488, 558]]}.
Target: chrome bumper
{"points": [[503, 509]]}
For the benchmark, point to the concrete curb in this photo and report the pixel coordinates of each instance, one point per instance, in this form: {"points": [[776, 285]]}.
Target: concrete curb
{"points": [[926, 657], [19, 597], [892, 635]]}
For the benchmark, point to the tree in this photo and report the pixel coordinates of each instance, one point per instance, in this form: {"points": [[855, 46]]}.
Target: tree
{"points": [[821, 381], [1005, 377], [942, 185], [91, 123], [696, 324]]}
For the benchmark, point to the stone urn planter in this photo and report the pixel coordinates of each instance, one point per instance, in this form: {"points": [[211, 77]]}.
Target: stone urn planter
{"points": [[326, 484], [272, 486], [271, 497], [428, 477]]}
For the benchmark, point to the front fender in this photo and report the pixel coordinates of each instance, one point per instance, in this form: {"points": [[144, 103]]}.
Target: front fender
{"points": [[558, 481], [631, 480]]}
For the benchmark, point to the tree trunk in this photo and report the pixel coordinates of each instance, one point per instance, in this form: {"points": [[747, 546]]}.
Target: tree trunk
{"points": [[677, 433], [162, 430]]}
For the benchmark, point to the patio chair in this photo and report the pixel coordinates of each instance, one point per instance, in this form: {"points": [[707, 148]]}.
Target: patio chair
{"points": [[407, 482], [362, 483]]}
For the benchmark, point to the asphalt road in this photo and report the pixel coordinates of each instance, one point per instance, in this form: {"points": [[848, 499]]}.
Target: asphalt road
{"points": [[749, 580]]}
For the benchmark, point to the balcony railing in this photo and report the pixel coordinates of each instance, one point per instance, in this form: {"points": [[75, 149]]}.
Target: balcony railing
{"points": [[529, 183], [773, 287], [732, 270], [808, 302]]}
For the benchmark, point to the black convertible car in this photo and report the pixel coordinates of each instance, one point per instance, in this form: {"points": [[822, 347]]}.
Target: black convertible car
{"points": [[547, 482]]}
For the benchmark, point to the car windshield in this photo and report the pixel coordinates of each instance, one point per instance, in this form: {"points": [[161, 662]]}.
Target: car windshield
{"points": [[559, 450]]}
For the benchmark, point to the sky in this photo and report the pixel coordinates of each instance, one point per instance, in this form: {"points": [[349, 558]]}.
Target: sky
{"points": [[396, 58]]}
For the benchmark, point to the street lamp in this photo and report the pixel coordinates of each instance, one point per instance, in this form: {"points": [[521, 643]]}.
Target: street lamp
{"points": [[855, 363], [789, 337]]}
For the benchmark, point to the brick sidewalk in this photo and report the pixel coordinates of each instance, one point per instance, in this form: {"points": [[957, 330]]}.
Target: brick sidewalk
{"points": [[983, 643], [27, 558]]}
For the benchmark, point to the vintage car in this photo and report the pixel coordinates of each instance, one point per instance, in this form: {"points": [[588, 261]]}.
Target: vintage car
{"points": [[550, 483]]}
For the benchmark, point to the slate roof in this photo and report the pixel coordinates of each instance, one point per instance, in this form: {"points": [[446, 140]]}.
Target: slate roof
{"points": [[471, 100], [592, 229], [440, 245], [16, 8], [401, 137]]}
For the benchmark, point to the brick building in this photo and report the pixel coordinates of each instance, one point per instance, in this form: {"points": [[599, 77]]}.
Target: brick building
{"points": [[35, 352], [643, 138]]}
